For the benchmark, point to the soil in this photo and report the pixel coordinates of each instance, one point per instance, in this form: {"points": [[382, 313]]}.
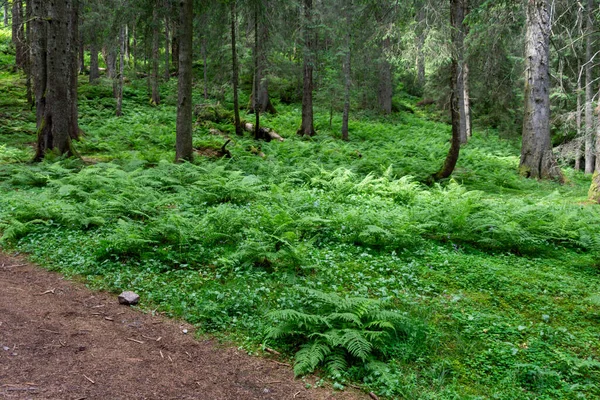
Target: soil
{"points": [[59, 340]]}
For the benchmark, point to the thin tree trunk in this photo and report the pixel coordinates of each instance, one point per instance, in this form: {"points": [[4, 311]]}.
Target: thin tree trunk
{"points": [[121, 73], [94, 70], [385, 79], [456, 20], [81, 55], [53, 70], [307, 128], [589, 119], [167, 55], [111, 62], [175, 46], [5, 8], [154, 78], [74, 130], [235, 72], [257, 78], [127, 49], [262, 100], [184, 149], [18, 33], [421, 37], [347, 70], [467, 102], [205, 66], [537, 160], [28, 62], [578, 121]]}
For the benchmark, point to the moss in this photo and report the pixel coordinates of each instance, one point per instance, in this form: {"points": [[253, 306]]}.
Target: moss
{"points": [[594, 193]]}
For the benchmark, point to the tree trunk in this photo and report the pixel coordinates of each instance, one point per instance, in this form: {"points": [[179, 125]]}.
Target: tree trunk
{"points": [[257, 78], [121, 73], [456, 20], [421, 36], [262, 100], [28, 65], [385, 93], [94, 70], [307, 128], [155, 99], [167, 55], [205, 66], [51, 39], [347, 70], [589, 119], [5, 8], [235, 72], [81, 55], [111, 62], [467, 102], [175, 46], [537, 160], [18, 33], [74, 131], [578, 120], [184, 150]]}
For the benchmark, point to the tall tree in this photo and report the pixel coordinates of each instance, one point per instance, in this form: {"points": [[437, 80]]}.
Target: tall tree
{"points": [[5, 11], [589, 116], [307, 127], [51, 40], [457, 17], [184, 150], [18, 33], [155, 96], [262, 100], [537, 160], [346, 68], [235, 69]]}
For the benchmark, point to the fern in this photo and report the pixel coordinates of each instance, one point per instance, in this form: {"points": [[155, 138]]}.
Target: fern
{"points": [[334, 331]]}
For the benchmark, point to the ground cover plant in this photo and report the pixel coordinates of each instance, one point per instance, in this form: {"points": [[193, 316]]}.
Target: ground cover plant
{"points": [[336, 254]]}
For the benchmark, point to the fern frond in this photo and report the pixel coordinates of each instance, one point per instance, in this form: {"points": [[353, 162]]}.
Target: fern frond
{"points": [[356, 344], [310, 356]]}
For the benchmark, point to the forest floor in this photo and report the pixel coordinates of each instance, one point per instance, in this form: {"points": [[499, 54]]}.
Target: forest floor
{"points": [[59, 340]]}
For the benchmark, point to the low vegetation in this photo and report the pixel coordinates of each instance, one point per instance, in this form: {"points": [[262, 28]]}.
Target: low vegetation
{"points": [[336, 254]]}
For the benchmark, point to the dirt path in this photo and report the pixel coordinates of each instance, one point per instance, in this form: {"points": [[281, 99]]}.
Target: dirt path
{"points": [[58, 340]]}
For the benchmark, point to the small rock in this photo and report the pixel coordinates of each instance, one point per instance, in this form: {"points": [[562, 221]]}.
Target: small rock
{"points": [[6, 348], [185, 331], [129, 298]]}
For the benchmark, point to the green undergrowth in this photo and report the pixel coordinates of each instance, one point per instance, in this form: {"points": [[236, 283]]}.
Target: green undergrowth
{"points": [[484, 286]]}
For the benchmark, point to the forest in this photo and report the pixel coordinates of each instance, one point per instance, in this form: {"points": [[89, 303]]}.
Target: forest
{"points": [[398, 196]]}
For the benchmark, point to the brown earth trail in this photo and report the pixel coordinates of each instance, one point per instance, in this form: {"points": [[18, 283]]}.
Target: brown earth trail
{"points": [[59, 340]]}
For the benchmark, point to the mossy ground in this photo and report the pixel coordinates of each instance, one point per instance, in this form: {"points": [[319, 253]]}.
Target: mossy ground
{"points": [[501, 272]]}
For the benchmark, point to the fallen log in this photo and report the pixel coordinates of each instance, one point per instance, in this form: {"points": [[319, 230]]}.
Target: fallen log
{"points": [[265, 133]]}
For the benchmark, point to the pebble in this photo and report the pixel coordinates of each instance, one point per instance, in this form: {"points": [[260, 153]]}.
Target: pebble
{"points": [[128, 298]]}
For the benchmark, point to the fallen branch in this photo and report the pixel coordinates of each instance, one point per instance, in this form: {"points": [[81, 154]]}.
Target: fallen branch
{"points": [[265, 133], [135, 340], [88, 378]]}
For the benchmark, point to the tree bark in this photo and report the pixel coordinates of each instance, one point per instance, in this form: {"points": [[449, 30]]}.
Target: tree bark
{"points": [[589, 118], [51, 26], [167, 55], [28, 65], [184, 150], [537, 160], [385, 93], [255, 99], [18, 34], [456, 20], [307, 128], [235, 72], [5, 9], [347, 70], [578, 121], [94, 70], [175, 46], [155, 99], [262, 100], [205, 66], [467, 102], [421, 37], [120, 73], [110, 56], [73, 47]]}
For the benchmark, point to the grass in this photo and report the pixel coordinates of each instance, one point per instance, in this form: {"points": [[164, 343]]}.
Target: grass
{"points": [[495, 277]]}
